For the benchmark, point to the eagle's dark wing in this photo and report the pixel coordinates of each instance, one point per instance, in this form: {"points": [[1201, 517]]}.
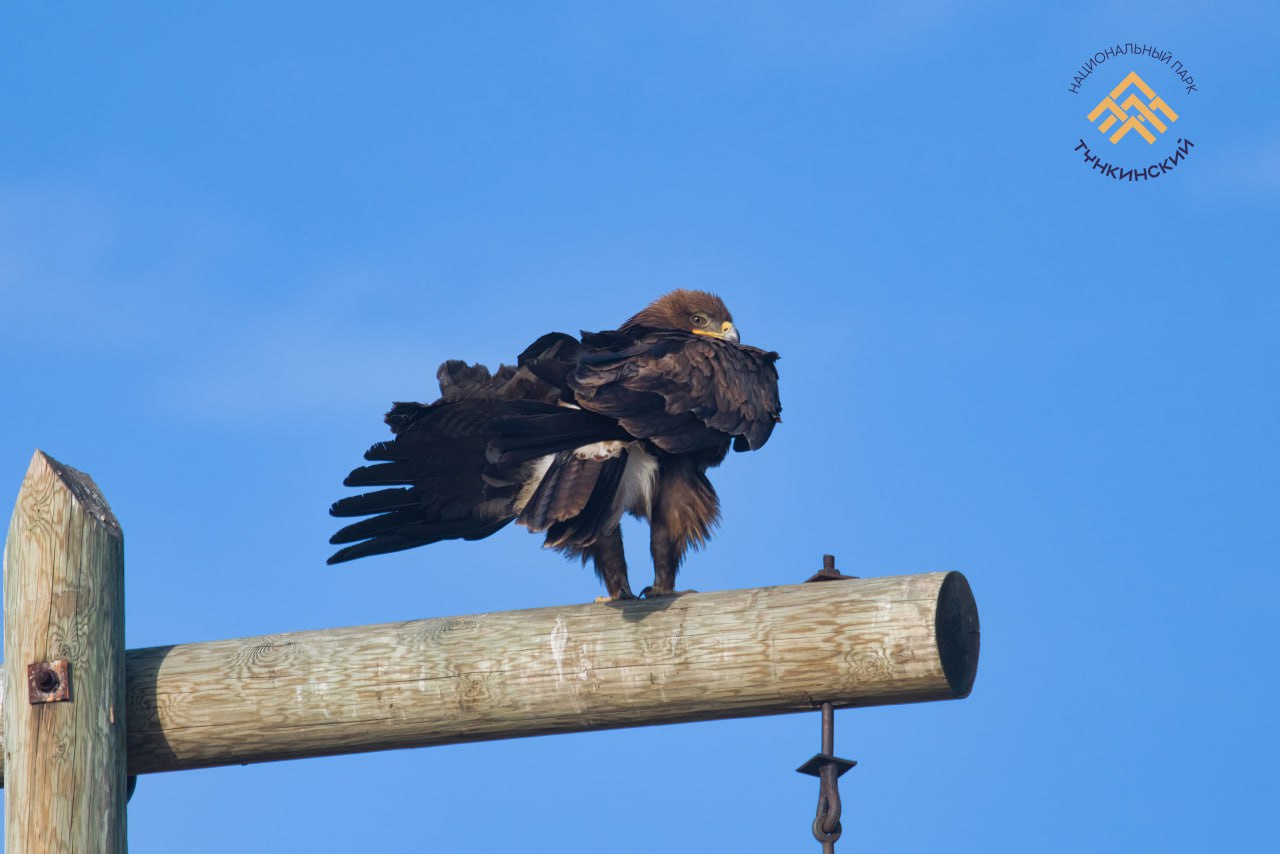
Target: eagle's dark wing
{"points": [[669, 387], [439, 483]]}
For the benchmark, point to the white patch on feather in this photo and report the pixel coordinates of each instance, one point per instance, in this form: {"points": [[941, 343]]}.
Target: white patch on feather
{"points": [[598, 451], [638, 481], [536, 473]]}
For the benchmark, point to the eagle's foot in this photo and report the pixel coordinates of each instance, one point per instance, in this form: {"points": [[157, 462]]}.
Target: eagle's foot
{"points": [[620, 596], [653, 592]]}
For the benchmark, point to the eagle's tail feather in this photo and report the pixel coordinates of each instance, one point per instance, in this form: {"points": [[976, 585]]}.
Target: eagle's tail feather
{"points": [[409, 523], [376, 526], [383, 474], [382, 501], [415, 535]]}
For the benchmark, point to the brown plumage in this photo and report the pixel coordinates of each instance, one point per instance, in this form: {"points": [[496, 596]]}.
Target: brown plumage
{"points": [[579, 432]]}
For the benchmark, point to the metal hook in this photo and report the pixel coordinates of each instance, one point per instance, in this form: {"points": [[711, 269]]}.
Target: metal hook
{"points": [[827, 768]]}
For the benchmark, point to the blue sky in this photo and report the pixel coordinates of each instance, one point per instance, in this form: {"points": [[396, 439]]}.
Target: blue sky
{"points": [[230, 236]]}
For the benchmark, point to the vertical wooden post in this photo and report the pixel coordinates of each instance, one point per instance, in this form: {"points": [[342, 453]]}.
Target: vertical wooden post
{"points": [[65, 754]]}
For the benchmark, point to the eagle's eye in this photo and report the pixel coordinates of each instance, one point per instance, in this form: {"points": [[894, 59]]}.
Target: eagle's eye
{"points": [[699, 320]]}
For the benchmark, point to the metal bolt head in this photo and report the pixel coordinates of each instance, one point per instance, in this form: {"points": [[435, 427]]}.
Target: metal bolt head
{"points": [[49, 681], [828, 571]]}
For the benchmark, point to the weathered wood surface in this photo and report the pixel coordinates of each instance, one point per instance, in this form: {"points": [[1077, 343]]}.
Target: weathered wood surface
{"points": [[64, 599], [699, 656]]}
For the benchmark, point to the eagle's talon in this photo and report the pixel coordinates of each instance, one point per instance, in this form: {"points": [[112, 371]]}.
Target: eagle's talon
{"points": [[650, 593]]}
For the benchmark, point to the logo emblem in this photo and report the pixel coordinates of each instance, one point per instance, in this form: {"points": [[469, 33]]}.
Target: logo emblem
{"points": [[1133, 113]]}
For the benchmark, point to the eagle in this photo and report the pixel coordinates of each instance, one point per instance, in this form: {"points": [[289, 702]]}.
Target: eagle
{"points": [[578, 432]]}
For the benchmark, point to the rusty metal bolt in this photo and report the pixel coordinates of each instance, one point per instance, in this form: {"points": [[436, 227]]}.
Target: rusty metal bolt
{"points": [[49, 681]]}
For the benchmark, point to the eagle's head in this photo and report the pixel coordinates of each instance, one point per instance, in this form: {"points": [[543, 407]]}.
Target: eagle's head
{"points": [[689, 311]]}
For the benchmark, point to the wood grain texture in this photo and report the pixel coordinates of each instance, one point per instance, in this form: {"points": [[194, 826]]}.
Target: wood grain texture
{"points": [[699, 656], [64, 599]]}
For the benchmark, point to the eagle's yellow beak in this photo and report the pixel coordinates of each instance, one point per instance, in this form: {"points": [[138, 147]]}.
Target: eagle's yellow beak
{"points": [[728, 332]]}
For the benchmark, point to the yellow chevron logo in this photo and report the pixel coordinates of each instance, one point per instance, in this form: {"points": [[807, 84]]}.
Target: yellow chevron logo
{"points": [[1133, 113]]}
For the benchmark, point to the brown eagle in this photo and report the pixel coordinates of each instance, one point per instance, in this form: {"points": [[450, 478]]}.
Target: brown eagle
{"points": [[577, 433]]}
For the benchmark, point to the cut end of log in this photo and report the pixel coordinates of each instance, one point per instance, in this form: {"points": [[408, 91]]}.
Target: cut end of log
{"points": [[956, 628], [82, 488]]}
